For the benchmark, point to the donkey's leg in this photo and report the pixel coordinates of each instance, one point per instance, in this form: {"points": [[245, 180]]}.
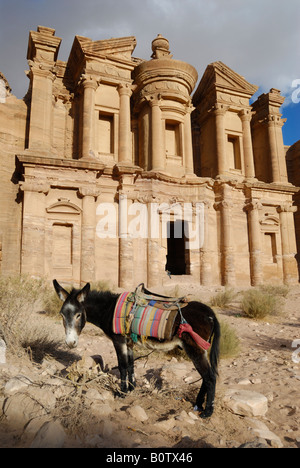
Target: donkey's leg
{"points": [[199, 358], [201, 397], [131, 376], [120, 345], [208, 387]]}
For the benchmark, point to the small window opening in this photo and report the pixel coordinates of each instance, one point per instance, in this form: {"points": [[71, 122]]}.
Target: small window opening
{"points": [[172, 139], [106, 133], [233, 152], [62, 245], [270, 247]]}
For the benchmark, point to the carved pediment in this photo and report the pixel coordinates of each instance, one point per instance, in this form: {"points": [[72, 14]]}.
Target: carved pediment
{"points": [[121, 47], [65, 207], [270, 221], [219, 77], [85, 50]]}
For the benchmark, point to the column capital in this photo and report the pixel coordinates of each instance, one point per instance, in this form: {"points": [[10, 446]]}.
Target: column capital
{"points": [[287, 208], [154, 100], [88, 192], [34, 187], [89, 81], [223, 204], [274, 119], [41, 70], [189, 108], [253, 205], [207, 204], [245, 115], [219, 109], [124, 89]]}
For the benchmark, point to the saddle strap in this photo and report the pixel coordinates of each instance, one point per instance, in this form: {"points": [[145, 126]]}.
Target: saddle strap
{"points": [[142, 293]]}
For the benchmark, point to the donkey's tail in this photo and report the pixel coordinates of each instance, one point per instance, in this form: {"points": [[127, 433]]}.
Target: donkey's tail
{"points": [[215, 348]]}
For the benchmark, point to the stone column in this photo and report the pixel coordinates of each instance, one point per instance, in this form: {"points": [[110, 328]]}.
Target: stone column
{"points": [[188, 144], [227, 249], [41, 110], [153, 245], [125, 140], [33, 229], [246, 116], [126, 267], [88, 119], [220, 111], [288, 243], [275, 170], [157, 163], [254, 233], [43, 47], [205, 260], [228, 252], [281, 152], [153, 277], [88, 230], [1, 249]]}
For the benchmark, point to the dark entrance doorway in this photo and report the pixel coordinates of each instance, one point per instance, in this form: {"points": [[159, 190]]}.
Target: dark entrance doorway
{"points": [[177, 255]]}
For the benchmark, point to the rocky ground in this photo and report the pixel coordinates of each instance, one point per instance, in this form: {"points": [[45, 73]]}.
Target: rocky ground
{"points": [[67, 399]]}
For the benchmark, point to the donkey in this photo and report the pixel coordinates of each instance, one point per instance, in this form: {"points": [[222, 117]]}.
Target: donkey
{"points": [[98, 308]]}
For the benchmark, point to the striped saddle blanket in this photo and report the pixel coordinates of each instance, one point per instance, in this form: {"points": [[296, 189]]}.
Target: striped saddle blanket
{"points": [[144, 320]]}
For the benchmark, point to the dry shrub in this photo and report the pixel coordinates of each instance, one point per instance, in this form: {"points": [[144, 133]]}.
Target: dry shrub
{"points": [[275, 290], [21, 297], [229, 342], [101, 285], [223, 298], [258, 304], [52, 303]]}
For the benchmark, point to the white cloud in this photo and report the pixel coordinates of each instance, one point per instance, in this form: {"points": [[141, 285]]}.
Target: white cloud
{"points": [[257, 38]]}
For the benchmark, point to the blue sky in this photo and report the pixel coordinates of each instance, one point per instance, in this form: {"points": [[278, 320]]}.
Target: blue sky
{"points": [[260, 39], [291, 129]]}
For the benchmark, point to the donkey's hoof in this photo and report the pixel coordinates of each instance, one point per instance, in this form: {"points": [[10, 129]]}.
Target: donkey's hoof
{"points": [[198, 408], [206, 414], [120, 394]]}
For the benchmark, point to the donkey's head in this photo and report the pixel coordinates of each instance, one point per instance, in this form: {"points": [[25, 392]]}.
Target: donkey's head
{"points": [[72, 311]]}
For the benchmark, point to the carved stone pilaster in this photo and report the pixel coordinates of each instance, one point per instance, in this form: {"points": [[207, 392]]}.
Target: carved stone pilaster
{"points": [[125, 144], [219, 111], [288, 242], [254, 232], [246, 116], [88, 232], [90, 84], [226, 247], [156, 134]]}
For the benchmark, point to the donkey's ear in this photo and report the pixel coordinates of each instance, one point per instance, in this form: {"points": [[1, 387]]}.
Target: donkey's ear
{"points": [[61, 292], [82, 295]]}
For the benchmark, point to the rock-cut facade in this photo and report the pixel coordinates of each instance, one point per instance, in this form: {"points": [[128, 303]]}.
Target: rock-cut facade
{"points": [[121, 169]]}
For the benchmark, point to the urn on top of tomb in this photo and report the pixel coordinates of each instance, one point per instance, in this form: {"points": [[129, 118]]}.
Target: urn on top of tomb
{"points": [[160, 48], [162, 106], [162, 74]]}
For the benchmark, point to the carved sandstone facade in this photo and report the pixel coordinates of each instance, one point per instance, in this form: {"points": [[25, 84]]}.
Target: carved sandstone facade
{"points": [[107, 132]]}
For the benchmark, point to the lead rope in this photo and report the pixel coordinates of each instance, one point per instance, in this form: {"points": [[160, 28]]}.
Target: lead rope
{"points": [[133, 336], [181, 316]]}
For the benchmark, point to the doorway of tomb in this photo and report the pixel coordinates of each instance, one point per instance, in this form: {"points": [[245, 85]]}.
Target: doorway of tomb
{"points": [[177, 254]]}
